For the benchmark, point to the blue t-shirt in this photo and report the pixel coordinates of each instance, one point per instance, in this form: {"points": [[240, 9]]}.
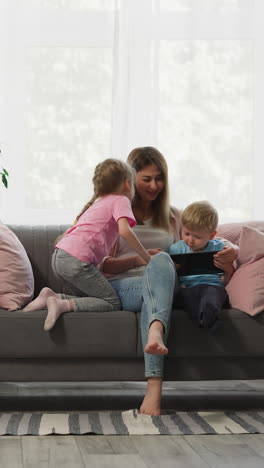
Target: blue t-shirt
{"points": [[193, 280]]}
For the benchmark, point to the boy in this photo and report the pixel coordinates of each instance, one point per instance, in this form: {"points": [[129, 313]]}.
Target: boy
{"points": [[202, 296]]}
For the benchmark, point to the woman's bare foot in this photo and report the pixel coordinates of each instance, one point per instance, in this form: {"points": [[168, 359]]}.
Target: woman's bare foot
{"points": [[56, 307], [155, 344], [151, 402], [41, 301]]}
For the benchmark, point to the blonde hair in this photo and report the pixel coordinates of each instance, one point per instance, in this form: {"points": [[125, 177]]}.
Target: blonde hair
{"points": [[141, 157], [200, 216], [108, 176]]}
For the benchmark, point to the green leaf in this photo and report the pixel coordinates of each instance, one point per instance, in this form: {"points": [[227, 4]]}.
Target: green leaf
{"points": [[5, 171], [4, 180]]}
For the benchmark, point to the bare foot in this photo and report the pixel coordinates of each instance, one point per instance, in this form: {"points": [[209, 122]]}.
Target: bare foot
{"points": [[151, 402], [41, 301], [56, 307], [155, 344]]}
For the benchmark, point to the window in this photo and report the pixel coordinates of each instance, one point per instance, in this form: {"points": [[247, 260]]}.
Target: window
{"points": [[87, 79]]}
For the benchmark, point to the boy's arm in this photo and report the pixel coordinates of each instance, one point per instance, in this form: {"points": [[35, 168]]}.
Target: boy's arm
{"points": [[126, 232], [228, 274], [229, 252], [228, 269], [225, 259]]}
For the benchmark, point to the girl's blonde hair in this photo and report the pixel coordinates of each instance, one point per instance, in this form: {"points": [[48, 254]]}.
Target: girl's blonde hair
{"points": [[200, 216], [141, 157], [108, 176]]}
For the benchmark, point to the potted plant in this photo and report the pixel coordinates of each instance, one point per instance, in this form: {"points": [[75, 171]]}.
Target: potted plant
{"points": [[4, 175]]}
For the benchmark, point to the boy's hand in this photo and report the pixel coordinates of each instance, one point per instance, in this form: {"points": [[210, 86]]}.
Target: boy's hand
{"points": [[227, 255], [225, 266]]}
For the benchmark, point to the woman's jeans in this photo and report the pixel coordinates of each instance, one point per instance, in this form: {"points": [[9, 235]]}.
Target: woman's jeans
{"points": [[151, 294], [84, 284]]}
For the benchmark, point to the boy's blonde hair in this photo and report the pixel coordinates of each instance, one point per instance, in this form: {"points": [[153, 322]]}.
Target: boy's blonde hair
{"points": [[200, 216], [108, 176]]}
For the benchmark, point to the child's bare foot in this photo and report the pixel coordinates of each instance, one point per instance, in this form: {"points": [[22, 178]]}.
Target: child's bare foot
{"points": [[56, 307], [41, 301], [155, 344], [151, 402]]}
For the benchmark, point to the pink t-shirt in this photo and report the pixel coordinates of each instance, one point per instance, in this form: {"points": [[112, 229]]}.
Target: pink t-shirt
{"points": [[93, 236]]}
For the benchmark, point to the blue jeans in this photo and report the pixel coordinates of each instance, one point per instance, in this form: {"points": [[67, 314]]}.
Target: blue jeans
{"points": [[152, 294]]}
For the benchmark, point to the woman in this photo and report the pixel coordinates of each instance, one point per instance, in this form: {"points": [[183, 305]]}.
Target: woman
{"points": [[150, 288]]}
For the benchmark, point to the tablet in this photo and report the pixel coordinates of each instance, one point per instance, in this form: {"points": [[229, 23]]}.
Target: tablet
{"points": [[196, 263]]}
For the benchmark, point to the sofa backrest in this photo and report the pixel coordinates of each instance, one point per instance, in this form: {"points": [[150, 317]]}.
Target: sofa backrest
{"points": [[38, 242]]}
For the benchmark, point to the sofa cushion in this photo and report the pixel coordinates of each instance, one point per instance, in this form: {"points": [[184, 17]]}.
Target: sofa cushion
{"points": [[246, 287], [232, 231], [16, 276], [75, 335]]}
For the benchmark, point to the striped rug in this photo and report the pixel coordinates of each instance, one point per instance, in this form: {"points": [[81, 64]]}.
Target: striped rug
{"points": [[132, 423]]}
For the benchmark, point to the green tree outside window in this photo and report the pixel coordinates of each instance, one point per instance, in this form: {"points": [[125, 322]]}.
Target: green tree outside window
{"points": [[4, 175]]}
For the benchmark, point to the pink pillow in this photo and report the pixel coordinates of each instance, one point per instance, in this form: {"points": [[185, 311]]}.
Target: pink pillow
{"points": [[232, 231], [246, 287], [16, 276]]}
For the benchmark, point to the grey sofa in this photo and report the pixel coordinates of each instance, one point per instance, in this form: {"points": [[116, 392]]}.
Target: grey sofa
{"points": [[106, 346]]}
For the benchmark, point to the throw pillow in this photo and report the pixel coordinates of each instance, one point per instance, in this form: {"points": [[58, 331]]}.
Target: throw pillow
{"points": [[16, 276], [232, 231], [246, 287]]}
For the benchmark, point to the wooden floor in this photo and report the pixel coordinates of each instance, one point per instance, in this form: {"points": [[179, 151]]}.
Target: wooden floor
{"points": [[226, 451], [159, 451]]}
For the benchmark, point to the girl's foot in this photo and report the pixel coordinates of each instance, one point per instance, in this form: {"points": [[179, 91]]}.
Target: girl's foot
{"points": [[151, 402], [155, 344], [41, 301], [56, 307]]}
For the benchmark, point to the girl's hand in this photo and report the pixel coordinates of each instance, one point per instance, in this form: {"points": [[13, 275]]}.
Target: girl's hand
{"points": [[153, 251], [227, 255], [138, 261]]}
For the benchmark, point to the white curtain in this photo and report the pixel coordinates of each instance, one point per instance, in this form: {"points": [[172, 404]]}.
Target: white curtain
{"points": [[82, 80]]}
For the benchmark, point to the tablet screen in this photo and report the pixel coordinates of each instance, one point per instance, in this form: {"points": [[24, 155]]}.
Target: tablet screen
{"points": [[196, 263]]}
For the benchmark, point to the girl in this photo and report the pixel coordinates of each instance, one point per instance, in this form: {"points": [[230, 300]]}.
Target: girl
{"points": [[84, 245]]}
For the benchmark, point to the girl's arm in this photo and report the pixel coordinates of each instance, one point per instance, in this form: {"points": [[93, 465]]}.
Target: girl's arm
{"points": [[113, 265], [126, 232]]}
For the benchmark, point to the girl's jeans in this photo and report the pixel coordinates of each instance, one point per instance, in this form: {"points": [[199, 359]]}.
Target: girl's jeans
{"points": [[84, 284], [151, 294]]}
